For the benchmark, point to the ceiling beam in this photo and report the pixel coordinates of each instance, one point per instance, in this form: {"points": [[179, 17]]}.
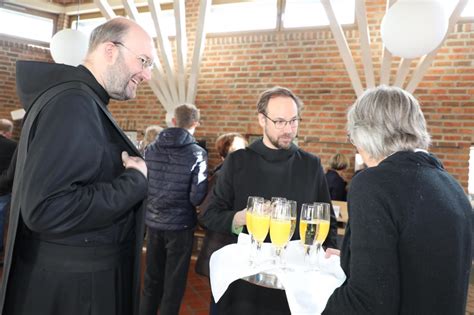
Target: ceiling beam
{"points": [[361, 15], [163, 43], [386, 56], [344, 49]]}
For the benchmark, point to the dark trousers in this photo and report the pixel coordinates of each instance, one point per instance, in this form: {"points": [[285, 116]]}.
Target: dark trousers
{"points": [[167, 262]]}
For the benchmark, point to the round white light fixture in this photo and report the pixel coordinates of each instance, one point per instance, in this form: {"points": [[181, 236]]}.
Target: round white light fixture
{"points": [[414, 28], [69, 46]]}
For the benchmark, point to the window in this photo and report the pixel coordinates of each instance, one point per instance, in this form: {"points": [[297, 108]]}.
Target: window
{"points": [[87, 25], [167, 22], [468, 9], [310, 13], [25, 25], [243, 16]]}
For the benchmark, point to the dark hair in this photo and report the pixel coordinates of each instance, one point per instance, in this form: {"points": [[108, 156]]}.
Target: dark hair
{"points": [[224, 142], [276, 91]]}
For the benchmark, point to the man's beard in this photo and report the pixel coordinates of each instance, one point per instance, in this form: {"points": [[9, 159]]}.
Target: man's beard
{"points": [[280, 145], [117, 80]]}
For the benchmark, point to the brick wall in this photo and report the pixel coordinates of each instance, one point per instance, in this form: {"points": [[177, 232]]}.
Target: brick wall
{"points": [[236, 68]]}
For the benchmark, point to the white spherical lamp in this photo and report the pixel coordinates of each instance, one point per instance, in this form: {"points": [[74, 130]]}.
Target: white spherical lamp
{"points": [[414, 28], [69, 46]]}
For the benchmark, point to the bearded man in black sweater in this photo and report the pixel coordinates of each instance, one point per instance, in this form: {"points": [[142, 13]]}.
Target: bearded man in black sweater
{"points": [[270, 167]]}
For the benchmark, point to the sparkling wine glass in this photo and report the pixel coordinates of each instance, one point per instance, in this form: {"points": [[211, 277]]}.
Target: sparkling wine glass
{"points": [[252, 203], [293, 209], [280, 227], [323, 221], [308, 229], [260, 223]]}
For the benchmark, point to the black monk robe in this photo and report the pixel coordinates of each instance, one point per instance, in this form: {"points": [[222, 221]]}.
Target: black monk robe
{"points": [[76, 223]]}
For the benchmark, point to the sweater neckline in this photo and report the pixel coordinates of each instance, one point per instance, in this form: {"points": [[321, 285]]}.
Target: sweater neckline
{"points": [[272, 155]]}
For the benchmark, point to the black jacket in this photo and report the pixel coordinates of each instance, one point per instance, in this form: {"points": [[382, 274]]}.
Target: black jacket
{"points": [[7, 148], [177, 171], [337, 186], [407, 248], [261, 171]]}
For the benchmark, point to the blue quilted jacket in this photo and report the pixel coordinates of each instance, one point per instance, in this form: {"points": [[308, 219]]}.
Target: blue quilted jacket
{"points": [[177, 174]]}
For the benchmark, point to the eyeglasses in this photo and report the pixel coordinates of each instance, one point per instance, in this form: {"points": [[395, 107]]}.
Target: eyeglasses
{"points": [[146, 62], [281, 123]]}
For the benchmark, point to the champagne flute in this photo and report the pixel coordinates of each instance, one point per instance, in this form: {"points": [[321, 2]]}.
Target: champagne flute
{"points": [[322, 217], [293, 209], [307, 228], [280, 226], [260, 223], [252, 202]]}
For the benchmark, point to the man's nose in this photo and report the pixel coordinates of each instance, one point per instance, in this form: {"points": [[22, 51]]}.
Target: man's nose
{"points": [[287, 127], [146, 74]]}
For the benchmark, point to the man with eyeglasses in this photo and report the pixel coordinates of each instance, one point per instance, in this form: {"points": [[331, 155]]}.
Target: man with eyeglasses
{"points": [[272, 166], [76, 223]]}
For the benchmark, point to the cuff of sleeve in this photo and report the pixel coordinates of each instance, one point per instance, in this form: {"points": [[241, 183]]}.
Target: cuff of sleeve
{"points": [[237, 230]]}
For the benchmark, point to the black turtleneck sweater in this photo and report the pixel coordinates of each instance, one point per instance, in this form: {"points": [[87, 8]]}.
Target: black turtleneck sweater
{"points": [[261, 171]]}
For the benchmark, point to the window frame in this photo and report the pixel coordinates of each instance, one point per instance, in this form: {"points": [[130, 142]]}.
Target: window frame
{"points": [[29, 11]]}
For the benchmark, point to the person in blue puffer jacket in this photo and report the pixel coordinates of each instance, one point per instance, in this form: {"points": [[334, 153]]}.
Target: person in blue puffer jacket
{"points": [[177, 184]]}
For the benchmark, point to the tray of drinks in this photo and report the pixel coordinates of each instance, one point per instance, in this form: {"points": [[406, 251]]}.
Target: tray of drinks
{"points": [[266, 280]]}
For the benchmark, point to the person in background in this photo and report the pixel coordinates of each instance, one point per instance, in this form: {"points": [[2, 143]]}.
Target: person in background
{"points": [[151, 132], [225, 144], [407, 247], [336, 183], [177, 185], [270, 167], [76, 221], [7, 149]]}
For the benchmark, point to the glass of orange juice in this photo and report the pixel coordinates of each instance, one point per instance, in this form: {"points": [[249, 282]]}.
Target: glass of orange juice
{"points": [[280, 227], [252, 203]]}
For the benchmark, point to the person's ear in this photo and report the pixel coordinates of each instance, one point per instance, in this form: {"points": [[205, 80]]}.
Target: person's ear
{"points": [[111, 52], [261, 120], [173, 120]]}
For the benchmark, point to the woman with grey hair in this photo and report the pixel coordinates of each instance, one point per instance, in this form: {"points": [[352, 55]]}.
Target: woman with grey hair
{"points": [[407, 247]]}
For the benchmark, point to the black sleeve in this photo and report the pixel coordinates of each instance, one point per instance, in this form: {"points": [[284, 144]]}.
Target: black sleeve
{"points": [[6, 178], [199, 179], [219, 214], [323, 196], [338, 191], [373, 284], [61, 191]]}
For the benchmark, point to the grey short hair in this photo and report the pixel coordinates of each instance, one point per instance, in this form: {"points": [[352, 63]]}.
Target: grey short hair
{"points": [[111, 31], [276, 91], [186, 115], [385, 120]]}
